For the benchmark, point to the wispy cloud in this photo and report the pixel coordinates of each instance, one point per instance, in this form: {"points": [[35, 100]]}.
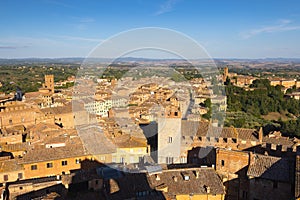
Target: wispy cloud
{"points": [[18, 42], [12, 47], [81, 23], [167, 6], [281, 26], [67, 37]]}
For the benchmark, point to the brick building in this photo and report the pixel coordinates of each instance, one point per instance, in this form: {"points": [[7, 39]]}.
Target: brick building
{"points": [[253, 176]]}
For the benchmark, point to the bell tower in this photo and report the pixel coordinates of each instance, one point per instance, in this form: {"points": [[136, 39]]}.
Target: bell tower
{"points": [[49, 83]]}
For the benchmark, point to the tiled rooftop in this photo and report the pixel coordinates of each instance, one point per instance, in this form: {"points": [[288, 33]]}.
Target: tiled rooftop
{"points": [[177, 184], [205, 129], [48, 154], [269, 167], [10, 165]]}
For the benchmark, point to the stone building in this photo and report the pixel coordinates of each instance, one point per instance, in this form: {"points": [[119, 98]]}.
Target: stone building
{"points": [[19, 113], [10, 170], [270, 177], [253, 176], [169, 138], [190, 183], [49, 83], [130, 149], [12, 135]]}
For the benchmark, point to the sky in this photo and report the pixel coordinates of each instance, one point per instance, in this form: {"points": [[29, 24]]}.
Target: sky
{"points": [[224, 28]]}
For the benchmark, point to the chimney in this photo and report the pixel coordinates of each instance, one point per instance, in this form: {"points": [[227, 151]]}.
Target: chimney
{"points": [[251, 158], [175, 178], [157, 177], [260, 134], [186, 176], [197, 173], [207, 189]]}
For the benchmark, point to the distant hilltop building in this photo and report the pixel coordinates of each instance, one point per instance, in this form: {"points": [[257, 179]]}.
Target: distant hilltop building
{"points": [[225, 74], [285, 83]]}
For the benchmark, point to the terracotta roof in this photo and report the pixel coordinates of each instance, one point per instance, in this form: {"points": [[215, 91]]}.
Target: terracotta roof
{"points": [[94, 140], [48, 154], [59, 110], [10, 165], [32, 95], [42, 127], [269, 167], [207, 178], [14, 147], [205, 129], [130, 185], [284, 141], [126, 141]]}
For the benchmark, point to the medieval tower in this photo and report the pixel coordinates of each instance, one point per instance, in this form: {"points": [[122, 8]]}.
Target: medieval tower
{"points": [[49, 83]]}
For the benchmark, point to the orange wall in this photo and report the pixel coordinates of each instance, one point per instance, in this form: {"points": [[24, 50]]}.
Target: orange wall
{"points": [[57, 169]]}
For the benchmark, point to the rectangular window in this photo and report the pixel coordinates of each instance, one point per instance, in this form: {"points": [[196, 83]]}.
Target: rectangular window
{"points": [[169, 160], [78, 161], [33, 167], [170, 140], [64, 163], [20, 176], [222, 163], [5, 177], [49, 165], [141, 159], [10, 121]]}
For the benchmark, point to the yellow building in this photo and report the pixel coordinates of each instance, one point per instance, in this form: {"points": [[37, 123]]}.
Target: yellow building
{"points": [[56, 160], [10, 170], [130, 150]]}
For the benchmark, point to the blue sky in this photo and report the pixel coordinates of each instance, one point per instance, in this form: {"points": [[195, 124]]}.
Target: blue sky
{"points": [[226, 29]]}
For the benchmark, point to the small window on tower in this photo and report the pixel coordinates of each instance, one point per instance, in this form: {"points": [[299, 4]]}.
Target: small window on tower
{"points": [[170, 140], [222, 162]]}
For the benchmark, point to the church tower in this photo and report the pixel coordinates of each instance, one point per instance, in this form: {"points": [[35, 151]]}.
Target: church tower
{"points": [[225, 74], [49, 83]]}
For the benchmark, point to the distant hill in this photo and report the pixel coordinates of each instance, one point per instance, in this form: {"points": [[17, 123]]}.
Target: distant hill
{"points": [[79, 60]]}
